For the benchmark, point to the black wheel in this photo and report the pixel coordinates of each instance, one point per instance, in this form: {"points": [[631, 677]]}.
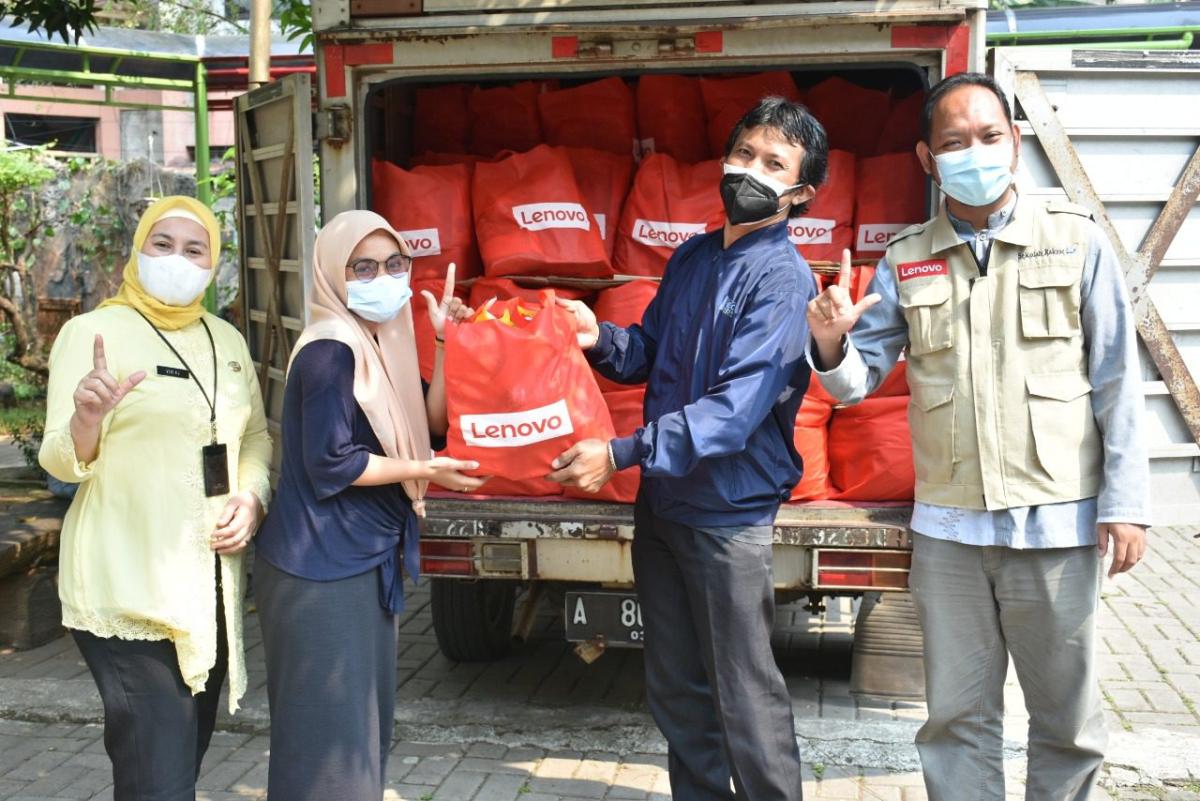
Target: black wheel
{"points": [[473, 619]]}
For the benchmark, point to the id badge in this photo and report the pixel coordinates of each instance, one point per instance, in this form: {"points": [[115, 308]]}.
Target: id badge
{"points": [[216, 469]]}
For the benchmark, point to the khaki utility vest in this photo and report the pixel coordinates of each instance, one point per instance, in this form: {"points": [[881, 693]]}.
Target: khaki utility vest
{"points": [[1001, 411]]}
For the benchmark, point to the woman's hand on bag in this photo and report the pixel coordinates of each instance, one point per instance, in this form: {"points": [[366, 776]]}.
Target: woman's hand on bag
{"points": [[587, 330], [99, 393], [585, 465], [237, 523], [448, 473], [833, 313], [449, 308]]}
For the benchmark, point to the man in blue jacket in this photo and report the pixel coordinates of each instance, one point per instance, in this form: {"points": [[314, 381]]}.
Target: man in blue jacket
{"points": [[721, 349]]}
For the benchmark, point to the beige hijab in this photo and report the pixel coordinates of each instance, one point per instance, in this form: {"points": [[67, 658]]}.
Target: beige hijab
{"points": [[387, 381]]}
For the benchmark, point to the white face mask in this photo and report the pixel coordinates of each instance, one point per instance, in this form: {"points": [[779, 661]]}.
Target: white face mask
{"points": [[380, 299], [172, 279]]}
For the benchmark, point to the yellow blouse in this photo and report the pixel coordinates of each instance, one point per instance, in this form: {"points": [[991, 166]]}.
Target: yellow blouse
{"points": [[135, 560]]}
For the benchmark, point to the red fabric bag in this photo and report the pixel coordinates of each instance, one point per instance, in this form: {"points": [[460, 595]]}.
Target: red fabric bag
{"points": [[902, 130], [669, 204], [670, 117], [625, 408], [435, 159], [431, 208], [597, 115], [622, 306], [603, 179], [890, 197], [528, 488], [440, 118], [812, 442], [852, 115], [484, 289], [422, 328], [505, 118], [726, 100], [828, 226], [870, 451], [896, 383], [519, 391], [530, 218]]}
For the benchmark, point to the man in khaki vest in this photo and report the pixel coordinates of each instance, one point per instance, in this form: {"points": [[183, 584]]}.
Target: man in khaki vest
{"points": [[1027, 444]]}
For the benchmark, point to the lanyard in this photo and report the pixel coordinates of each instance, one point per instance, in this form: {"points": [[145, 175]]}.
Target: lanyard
{"points": [[212, 406]]}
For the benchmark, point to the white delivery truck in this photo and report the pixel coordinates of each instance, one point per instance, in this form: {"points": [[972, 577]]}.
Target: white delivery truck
{"points": [[1115, 131]]}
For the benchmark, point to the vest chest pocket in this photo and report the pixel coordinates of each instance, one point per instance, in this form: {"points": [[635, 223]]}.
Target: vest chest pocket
{"points": [[1060, 414], [931, 418], [1049, 301], [927, 309]]}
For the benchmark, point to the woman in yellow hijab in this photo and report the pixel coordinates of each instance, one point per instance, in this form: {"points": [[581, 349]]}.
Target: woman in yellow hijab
{"points": [[154, 409]]}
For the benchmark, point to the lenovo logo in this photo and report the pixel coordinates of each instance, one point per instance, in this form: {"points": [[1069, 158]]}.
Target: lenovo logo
{"points": [[875, 236], [423, 242], [516, 428], [665, 234], [811, 231], [540, 216], [922, 269]]}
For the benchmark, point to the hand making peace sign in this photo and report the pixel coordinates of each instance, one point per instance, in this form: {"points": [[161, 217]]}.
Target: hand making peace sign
{"points": [[833, 313], [98, 392], [451, 308]]}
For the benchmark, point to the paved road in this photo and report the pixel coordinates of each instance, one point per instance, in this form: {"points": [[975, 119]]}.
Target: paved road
{"points": [[540, 725]]}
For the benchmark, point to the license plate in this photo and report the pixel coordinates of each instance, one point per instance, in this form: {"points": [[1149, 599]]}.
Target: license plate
{"points": [[614, 616]]}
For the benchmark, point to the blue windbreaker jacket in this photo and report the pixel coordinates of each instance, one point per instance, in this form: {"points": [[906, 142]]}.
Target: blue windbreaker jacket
{"points": [[722, 351]]}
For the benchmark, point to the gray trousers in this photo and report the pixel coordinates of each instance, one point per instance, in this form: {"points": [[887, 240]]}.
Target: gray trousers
{"points": [[708, 606], [978, 605], [331, 684]]}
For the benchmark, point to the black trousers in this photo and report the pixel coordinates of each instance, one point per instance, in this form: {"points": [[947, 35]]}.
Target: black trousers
{"points": [[155, 731], [708, 606]]}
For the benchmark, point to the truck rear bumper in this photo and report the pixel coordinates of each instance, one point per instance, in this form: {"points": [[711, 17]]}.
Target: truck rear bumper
{"points": [[818, 547]]}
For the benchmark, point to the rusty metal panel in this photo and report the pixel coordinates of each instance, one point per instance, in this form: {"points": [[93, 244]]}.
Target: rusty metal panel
{"points": [[1139, 172], [275, 228], [805, 525]]}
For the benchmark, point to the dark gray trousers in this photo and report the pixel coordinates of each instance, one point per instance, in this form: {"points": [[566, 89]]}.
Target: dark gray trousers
{"points": [[155, 731], [331, 684], [708, 606]]}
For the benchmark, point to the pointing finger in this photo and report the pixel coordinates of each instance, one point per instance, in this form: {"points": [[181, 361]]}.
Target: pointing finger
{"points": [[448, 291], [98, 360], [844, 271]]}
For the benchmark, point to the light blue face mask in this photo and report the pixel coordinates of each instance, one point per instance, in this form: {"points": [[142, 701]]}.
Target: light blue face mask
{"points": [[977, 176], [378, 300]]}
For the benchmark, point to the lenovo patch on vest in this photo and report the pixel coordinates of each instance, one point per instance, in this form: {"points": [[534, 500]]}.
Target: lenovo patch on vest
{"points": [[922, 269]]}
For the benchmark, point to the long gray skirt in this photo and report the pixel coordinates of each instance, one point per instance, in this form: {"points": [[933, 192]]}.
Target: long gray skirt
{"points": [[331, 683]]}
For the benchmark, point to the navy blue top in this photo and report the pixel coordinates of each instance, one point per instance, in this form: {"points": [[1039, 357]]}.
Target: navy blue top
{"points": [[721, 349], [320, 527]]}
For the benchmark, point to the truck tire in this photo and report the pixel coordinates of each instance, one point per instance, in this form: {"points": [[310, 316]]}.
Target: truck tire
{"points": [[473, 619]]}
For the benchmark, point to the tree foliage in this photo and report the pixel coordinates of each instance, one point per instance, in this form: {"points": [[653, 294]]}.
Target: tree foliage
{"points": [[67, 19], [295, 21], [23, 223]]}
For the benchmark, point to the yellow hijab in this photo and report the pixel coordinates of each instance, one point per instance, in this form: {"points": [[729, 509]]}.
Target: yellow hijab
{"points": [[131, 293], [387, 383]]}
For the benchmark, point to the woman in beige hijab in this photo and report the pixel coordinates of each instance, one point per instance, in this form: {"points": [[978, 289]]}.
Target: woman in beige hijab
{"points": [[357, 458]]}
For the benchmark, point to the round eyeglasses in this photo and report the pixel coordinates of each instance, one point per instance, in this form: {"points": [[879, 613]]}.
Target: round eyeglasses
{"points": [[395, 265]]}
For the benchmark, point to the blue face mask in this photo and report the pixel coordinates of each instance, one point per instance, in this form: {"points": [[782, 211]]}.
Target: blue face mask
{"points": [[378, 300], [977, 176]]}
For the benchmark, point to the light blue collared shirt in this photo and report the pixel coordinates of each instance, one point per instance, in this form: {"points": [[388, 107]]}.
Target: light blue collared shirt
{"points": [[872, 349]]}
